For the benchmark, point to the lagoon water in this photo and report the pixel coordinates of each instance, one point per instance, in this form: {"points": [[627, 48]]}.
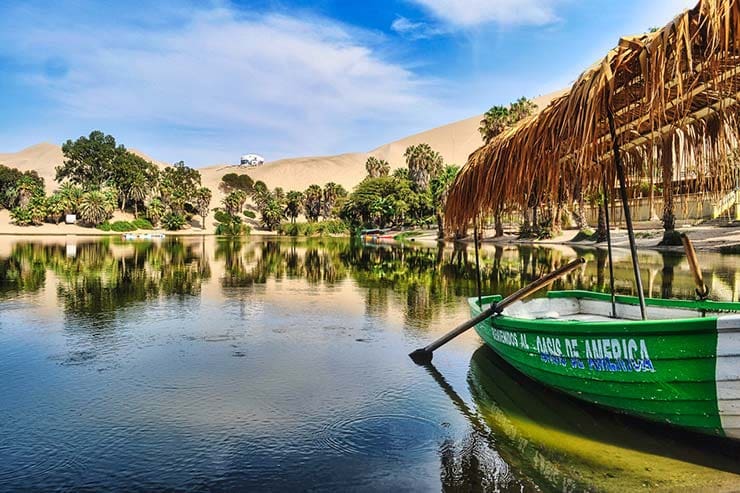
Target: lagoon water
{"points": [[274, 365]]}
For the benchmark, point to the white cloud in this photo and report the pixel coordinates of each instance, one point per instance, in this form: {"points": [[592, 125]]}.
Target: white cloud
{"points": [[269, 83], [415, 30], [468, 13]]}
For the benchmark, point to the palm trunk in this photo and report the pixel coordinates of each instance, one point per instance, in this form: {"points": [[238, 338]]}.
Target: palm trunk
{"points": [[601, 230]]}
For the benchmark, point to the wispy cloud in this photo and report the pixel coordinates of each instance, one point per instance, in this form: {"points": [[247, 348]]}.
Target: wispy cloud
{"points": [[468, 13], [416, 30], [286, 85]]}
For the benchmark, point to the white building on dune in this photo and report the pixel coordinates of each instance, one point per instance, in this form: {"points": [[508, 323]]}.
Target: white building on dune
{"points": [[251, 160]]}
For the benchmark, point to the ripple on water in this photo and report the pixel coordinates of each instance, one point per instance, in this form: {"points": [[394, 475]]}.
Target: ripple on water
{"points": [[381, 435]]}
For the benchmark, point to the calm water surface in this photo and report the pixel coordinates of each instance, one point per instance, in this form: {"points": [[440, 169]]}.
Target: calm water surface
{"points": [[200, 364]]}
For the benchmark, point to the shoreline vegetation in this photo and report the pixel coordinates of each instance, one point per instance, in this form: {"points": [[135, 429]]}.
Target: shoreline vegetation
{"points": [[103, 189]]}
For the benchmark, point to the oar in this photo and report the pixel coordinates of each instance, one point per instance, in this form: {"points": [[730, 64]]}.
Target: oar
{"points": [[424, 355], [702, 291]]}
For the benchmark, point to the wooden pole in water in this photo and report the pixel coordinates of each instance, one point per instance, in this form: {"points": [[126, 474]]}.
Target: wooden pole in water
{"points": [[424, 355], [625, 205], [477, 262], [609, 248]]}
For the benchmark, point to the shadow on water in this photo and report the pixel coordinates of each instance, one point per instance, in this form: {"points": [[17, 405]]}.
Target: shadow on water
{"points": [[562, 444]]}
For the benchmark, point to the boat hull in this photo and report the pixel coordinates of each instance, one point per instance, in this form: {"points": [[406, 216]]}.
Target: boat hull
{"points": [[684, 372]]}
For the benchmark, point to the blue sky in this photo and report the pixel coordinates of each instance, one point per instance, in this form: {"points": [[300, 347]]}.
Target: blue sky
{"points": [[205, 81]]}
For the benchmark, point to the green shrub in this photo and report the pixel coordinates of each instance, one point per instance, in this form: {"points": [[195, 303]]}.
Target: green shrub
{"points": [[173, 221], [104, 226], [229, 225], [142, 223], [249, 214], [330, 227], [122, 227]]}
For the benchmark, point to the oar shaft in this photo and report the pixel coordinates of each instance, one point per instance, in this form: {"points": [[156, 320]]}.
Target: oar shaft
{"points": [[498, 307], [701, 288]]}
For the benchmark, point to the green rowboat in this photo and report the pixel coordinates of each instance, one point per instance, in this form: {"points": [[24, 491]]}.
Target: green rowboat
{"points": [[680, 367]]}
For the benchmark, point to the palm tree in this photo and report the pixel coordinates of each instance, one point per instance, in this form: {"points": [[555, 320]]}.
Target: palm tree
{"points": [[377, 167], [440, 189], [55, 207], [202, 203], [332, 192], [424, 163], [137, 193], [293, 205], [260, 194], [72, 195], [26, 188], [95, 207], [272, 214], [234, 202], [312, 202], [155, 211], [494, 121]]}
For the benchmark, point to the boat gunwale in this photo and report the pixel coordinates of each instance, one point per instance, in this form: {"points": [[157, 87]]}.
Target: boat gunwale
{"points": [[684, 325]]}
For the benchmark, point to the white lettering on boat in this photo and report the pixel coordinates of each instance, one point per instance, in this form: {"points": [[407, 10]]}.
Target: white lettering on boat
{"points": [[595, 354]]}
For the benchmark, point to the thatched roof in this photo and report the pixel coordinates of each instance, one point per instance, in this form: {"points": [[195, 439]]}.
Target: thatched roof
{"points": [[674, 94]]}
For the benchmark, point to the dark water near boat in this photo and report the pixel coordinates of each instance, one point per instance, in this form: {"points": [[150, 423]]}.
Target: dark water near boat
{"points": [[199, 364]]}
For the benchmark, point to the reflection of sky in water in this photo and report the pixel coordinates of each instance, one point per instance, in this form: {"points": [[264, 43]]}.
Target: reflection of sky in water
{"points": [[204, 366]]}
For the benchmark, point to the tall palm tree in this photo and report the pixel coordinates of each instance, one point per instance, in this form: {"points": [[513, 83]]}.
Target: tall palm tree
{"points": [[95, 207], [377, 167], [155, 210], [293, 205], [424, 163], [312, 202], [234, 201], [332, 192], [137, 193], [440, 190], [202, 203]]}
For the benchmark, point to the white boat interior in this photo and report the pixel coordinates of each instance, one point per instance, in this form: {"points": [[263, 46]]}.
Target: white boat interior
{"points": [[589, 310]]}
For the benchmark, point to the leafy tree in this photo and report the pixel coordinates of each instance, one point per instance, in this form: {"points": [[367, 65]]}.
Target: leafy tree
{"points": [[377, 167], [383, 201], [134, 177], [293, 205], [155, 210], [95, 207], [90, 161], [332, 192], [9, 180], [178, 184], [260, 194], [312, 202], [229, 225], [423, 163], [233, 181]]}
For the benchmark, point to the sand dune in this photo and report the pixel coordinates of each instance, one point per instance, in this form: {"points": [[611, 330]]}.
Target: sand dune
{"points": [[454, 142]]}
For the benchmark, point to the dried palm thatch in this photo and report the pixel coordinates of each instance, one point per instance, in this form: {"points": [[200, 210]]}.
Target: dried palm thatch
{"points": [[674, 95]]}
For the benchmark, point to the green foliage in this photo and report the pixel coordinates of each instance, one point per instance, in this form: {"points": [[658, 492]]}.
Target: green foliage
{"points": [[312, 202], [95, 207], [71, 196], [233, 181], [272, 214], [104, 226], [499, 118], [202, 203], [178, 186], [90, 161], [293, 205], [423, 163], [249, 214], [332, 192], [55, 207], [21, 216], [380, 202], [332, 227], [229, 224], [173, 221], [122, 227], [142, 223], [377, 167], [234, 202], [16, 185], [155, 210]]}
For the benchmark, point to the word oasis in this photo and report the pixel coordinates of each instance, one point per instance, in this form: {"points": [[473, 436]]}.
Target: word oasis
{"points": [[623, 355]]}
